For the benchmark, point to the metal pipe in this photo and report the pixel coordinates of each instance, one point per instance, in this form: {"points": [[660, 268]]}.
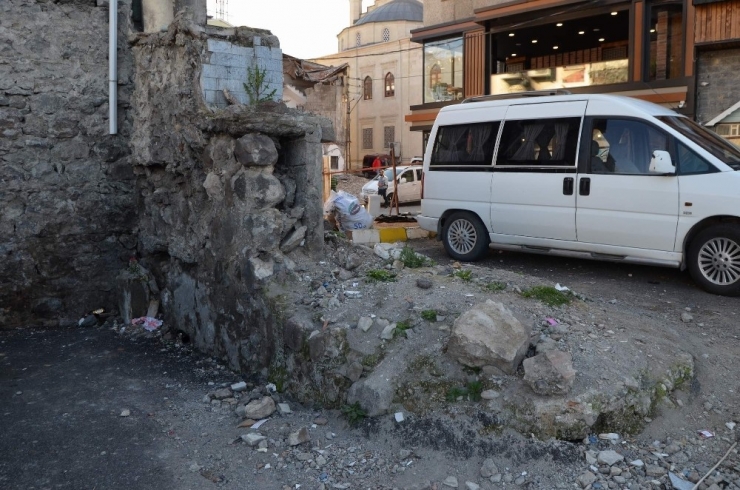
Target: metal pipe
{"points": [[113, 66]]}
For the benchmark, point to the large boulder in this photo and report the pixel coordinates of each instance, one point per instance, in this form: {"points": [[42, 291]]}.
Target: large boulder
{"points": [[489, 335], [550, 373]]}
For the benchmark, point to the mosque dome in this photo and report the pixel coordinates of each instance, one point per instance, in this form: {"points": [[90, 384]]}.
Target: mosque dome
{"points": [[411, 10]]}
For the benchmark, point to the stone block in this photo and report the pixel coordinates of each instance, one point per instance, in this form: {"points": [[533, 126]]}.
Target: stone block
{"points": [[416, 233], [550, 373], [225, 59], [236, 73], [219, 46], [209, 83], [259, 409], [242, 51], [215, 71], [366, 236]]}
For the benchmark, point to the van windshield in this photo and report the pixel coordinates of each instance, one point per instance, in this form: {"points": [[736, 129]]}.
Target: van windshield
{"points": [[711, 142]]}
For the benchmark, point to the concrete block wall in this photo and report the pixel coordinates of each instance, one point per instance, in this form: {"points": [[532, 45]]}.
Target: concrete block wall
{"points": [[716, 82], [226, 67]]}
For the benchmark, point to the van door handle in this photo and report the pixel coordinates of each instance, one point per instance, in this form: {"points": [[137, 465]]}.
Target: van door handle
{"points": [[584, 186], [568, 186]]}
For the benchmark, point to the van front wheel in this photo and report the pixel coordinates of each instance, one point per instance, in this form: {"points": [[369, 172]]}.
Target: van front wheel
{"points": [[464, 236], [714, 260]]}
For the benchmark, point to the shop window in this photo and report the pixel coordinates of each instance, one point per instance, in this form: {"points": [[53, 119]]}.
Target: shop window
{"points": [[443, 61], [367, 88], [390, 85]]}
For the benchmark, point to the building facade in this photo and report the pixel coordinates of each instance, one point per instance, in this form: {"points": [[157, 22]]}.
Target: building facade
{"points": [[653, 50], [383, 73]]}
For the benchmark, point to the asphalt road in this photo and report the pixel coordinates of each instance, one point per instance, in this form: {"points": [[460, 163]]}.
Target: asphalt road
{"points": [[63, 392]]}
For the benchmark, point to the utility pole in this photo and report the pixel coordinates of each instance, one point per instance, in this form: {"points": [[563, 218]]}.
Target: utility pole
{"points": [[347, 136]]}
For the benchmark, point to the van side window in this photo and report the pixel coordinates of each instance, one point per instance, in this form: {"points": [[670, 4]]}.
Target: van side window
{"points": [[690, 163], [464, 145], [540, 142], [624, 146]]}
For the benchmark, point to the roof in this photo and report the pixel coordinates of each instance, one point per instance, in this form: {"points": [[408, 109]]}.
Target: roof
{"points": [[411, 10], [309, 71], [727, 116]]}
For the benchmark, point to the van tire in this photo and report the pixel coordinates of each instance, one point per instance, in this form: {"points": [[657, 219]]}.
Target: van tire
{"points": [[714, 259], [464, 236]]}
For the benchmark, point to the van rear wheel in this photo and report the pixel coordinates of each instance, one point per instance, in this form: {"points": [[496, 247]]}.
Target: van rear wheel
{"points": [[464, 237], [714, 260]]}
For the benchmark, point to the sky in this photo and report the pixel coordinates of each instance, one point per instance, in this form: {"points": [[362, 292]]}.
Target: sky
{"points": [[306, 28]]}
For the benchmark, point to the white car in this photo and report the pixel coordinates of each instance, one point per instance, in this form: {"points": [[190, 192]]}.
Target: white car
{"points": [[409, 184]]}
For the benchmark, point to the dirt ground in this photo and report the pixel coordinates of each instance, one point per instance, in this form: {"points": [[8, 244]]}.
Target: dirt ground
{"points": [[109, 408]]}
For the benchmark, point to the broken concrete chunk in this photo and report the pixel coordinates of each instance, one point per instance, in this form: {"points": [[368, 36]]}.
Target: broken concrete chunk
{"points": [[252, 438], [354, 371], [261, 269], [259, 409], [609, 457], [222, 393], [550, 373], [284, 408], [365, 323], [387, 333], [374, 394], [353, 262], [299, 437], [293, 240], [240, 386], [489, 334]]}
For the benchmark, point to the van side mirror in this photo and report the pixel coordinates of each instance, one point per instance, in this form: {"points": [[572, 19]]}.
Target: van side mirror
{"points": [[661, 163]]}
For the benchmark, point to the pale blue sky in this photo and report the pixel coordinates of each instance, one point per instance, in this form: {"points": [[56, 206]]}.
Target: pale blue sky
{"points": [[306, 28]]}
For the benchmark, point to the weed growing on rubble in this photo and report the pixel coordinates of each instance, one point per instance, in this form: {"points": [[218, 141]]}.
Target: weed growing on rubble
{"points": [[429, 315], [495, 286], [401, 327], [548, 295], [411, 259], [464, 274], [354, 413], [381, 275], [472, 391], [256, 86]]}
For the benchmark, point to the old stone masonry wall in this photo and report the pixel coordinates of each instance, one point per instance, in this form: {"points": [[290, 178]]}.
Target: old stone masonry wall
{"points": [[66, 186], [225, 196]]}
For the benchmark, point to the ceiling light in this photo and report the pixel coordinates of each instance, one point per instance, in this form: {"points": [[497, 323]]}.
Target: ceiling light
{"points": [[652, 30], [614, 13], [601, 39], [513, 54], [559, 24], [511, 34], [534, 41], [581, 32], [597, 29], [554, 47]]}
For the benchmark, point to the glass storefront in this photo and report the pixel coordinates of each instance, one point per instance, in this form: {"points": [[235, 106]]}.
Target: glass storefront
{"points": [[443, 70]]}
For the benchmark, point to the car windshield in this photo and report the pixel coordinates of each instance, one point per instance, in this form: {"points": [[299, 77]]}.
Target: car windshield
{"points": [[711, 142]]}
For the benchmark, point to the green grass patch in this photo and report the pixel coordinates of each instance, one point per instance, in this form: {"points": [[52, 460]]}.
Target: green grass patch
{"points": [[471, 391], [463, 274], [411, 259], [548, 295], [354, 413], [401, 327], [429, 315], [381, 275], [495, 286]]}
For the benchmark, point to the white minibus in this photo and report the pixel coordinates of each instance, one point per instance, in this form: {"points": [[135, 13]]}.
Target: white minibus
{"points": [[591, 176]]}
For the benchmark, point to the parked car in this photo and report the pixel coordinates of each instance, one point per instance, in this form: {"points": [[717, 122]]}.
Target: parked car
{"points": [[367, 163], [409, 184], [592, 176]]}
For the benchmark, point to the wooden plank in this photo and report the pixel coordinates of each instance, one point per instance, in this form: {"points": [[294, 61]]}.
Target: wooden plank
{"points": [[637, 35], [688, 64]]}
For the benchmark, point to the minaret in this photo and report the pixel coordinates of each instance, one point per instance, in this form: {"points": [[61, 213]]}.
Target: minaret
{"points": [[355, 7]]}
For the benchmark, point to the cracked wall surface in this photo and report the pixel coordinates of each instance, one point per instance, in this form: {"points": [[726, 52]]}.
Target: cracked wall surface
{"points": [[66, 186]]}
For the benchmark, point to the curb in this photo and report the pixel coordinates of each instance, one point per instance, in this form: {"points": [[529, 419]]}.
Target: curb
{"points": [[389, 235]]}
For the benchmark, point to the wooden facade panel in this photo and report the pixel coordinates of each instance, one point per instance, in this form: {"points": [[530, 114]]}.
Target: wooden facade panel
{"points": [[475, 63], [717, 22]]}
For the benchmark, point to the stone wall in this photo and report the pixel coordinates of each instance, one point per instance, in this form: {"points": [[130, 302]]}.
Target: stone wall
{"points": [[66, 186], [227, 196], [325, 99], [716, 82]]}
